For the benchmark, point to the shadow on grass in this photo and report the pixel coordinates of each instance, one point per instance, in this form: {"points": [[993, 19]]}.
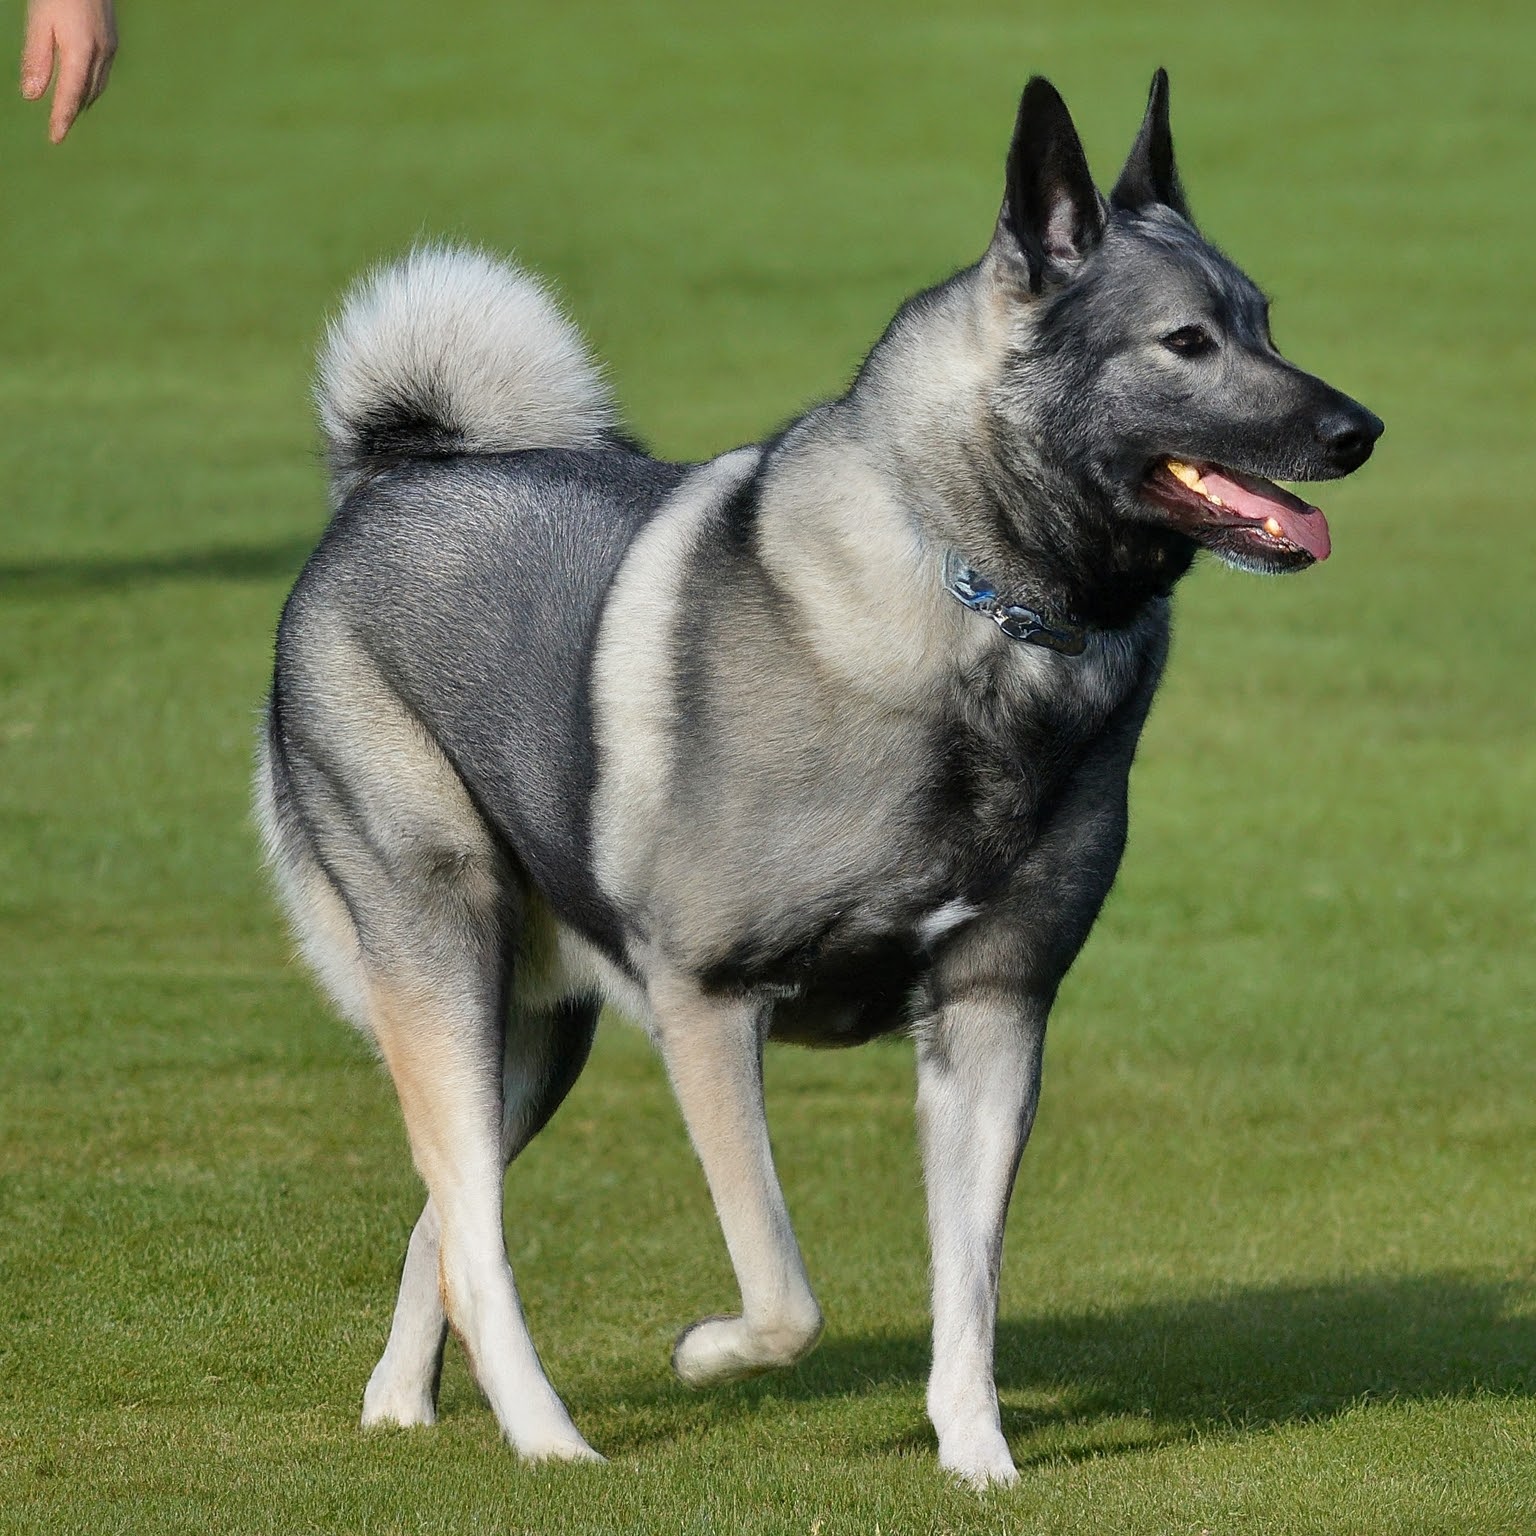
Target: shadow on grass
{"points": [[1243, 1361], [65, 577]]}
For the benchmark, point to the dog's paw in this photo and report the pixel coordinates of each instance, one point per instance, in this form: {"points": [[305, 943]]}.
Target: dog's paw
{"points": [[721, 1349], [560, 1450], [398, 1395], [980, 1460], [1001, 1474], [386, 1403], [710, 1353]]}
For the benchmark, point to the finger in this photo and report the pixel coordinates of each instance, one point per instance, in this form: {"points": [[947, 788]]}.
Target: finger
{"points": [[99, 74], [106, 52], [69, 94], [37, 59]]}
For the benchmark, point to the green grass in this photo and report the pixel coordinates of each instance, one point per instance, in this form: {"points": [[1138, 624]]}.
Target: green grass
{"points": [[1272, 1266]]}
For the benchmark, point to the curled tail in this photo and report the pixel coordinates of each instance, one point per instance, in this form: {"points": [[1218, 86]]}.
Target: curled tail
{"points": [[452, 351]]}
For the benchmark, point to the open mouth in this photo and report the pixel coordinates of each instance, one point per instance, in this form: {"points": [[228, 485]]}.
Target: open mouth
{"points": [[1243, 518]]}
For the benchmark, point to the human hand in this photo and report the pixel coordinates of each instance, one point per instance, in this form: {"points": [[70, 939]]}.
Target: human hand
{"points": [[83, 33]]}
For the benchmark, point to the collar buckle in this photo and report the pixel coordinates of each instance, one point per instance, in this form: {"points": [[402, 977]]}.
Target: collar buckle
{"points": [[1016, 620]]}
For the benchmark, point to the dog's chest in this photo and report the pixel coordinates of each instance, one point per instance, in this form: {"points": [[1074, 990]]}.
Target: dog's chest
{"points": [[1017, 732], [996, 768]]}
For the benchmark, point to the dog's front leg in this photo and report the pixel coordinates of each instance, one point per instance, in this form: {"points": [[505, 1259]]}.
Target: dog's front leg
{"points": [[713, 1050], [978, 1081]]}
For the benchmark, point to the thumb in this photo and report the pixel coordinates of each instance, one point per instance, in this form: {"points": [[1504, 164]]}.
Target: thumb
{"points": [[37, 59]]}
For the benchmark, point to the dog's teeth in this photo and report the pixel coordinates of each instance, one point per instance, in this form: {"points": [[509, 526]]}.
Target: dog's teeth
{"points": [[1213, 498], [1186, 473], [1272, 525]]}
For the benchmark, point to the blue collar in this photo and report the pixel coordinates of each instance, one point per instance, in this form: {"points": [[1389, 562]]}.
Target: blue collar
{"points": [[1016, 620]]}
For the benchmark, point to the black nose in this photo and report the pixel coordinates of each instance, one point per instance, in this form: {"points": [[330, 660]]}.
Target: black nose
{"points": [[1348, 437]]}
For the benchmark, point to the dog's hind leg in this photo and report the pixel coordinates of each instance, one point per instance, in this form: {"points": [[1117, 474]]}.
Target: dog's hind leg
{"points": [[433, 909], [403, 1387], [713, 1050], [444, 1055], [544, 1053]]}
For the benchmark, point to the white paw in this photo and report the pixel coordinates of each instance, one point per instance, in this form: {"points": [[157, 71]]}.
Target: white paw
{"points": [[563, 1449], [979, 1458], [712, 1352], [403, 1409], [720, 1349]]}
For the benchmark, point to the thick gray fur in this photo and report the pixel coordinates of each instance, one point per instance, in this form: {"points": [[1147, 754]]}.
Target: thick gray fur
{"points": [[554, 724]]}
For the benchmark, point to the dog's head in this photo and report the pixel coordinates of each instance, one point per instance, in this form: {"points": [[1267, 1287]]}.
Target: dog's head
{"points": [[1141, 372]]}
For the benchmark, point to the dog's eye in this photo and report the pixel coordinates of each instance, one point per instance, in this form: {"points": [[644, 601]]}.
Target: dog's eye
{"points": [[1189, 341]]}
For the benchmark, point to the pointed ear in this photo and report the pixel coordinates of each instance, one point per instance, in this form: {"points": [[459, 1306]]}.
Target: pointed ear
{"points": [[1052, 215], [1150, 176]]}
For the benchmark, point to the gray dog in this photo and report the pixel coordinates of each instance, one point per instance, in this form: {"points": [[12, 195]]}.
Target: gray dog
{"points": [[825, 739]]}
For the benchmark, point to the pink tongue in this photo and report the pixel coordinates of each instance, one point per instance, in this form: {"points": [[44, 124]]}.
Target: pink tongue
{"points": [[1259, 500]]}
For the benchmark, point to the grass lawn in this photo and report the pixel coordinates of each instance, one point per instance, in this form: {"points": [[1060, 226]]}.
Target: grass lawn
{"points": [[1272, 1264]]}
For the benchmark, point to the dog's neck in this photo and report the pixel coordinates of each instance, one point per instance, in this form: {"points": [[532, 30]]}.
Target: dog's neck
{"points": [[923, 402], [1045, 539]]}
